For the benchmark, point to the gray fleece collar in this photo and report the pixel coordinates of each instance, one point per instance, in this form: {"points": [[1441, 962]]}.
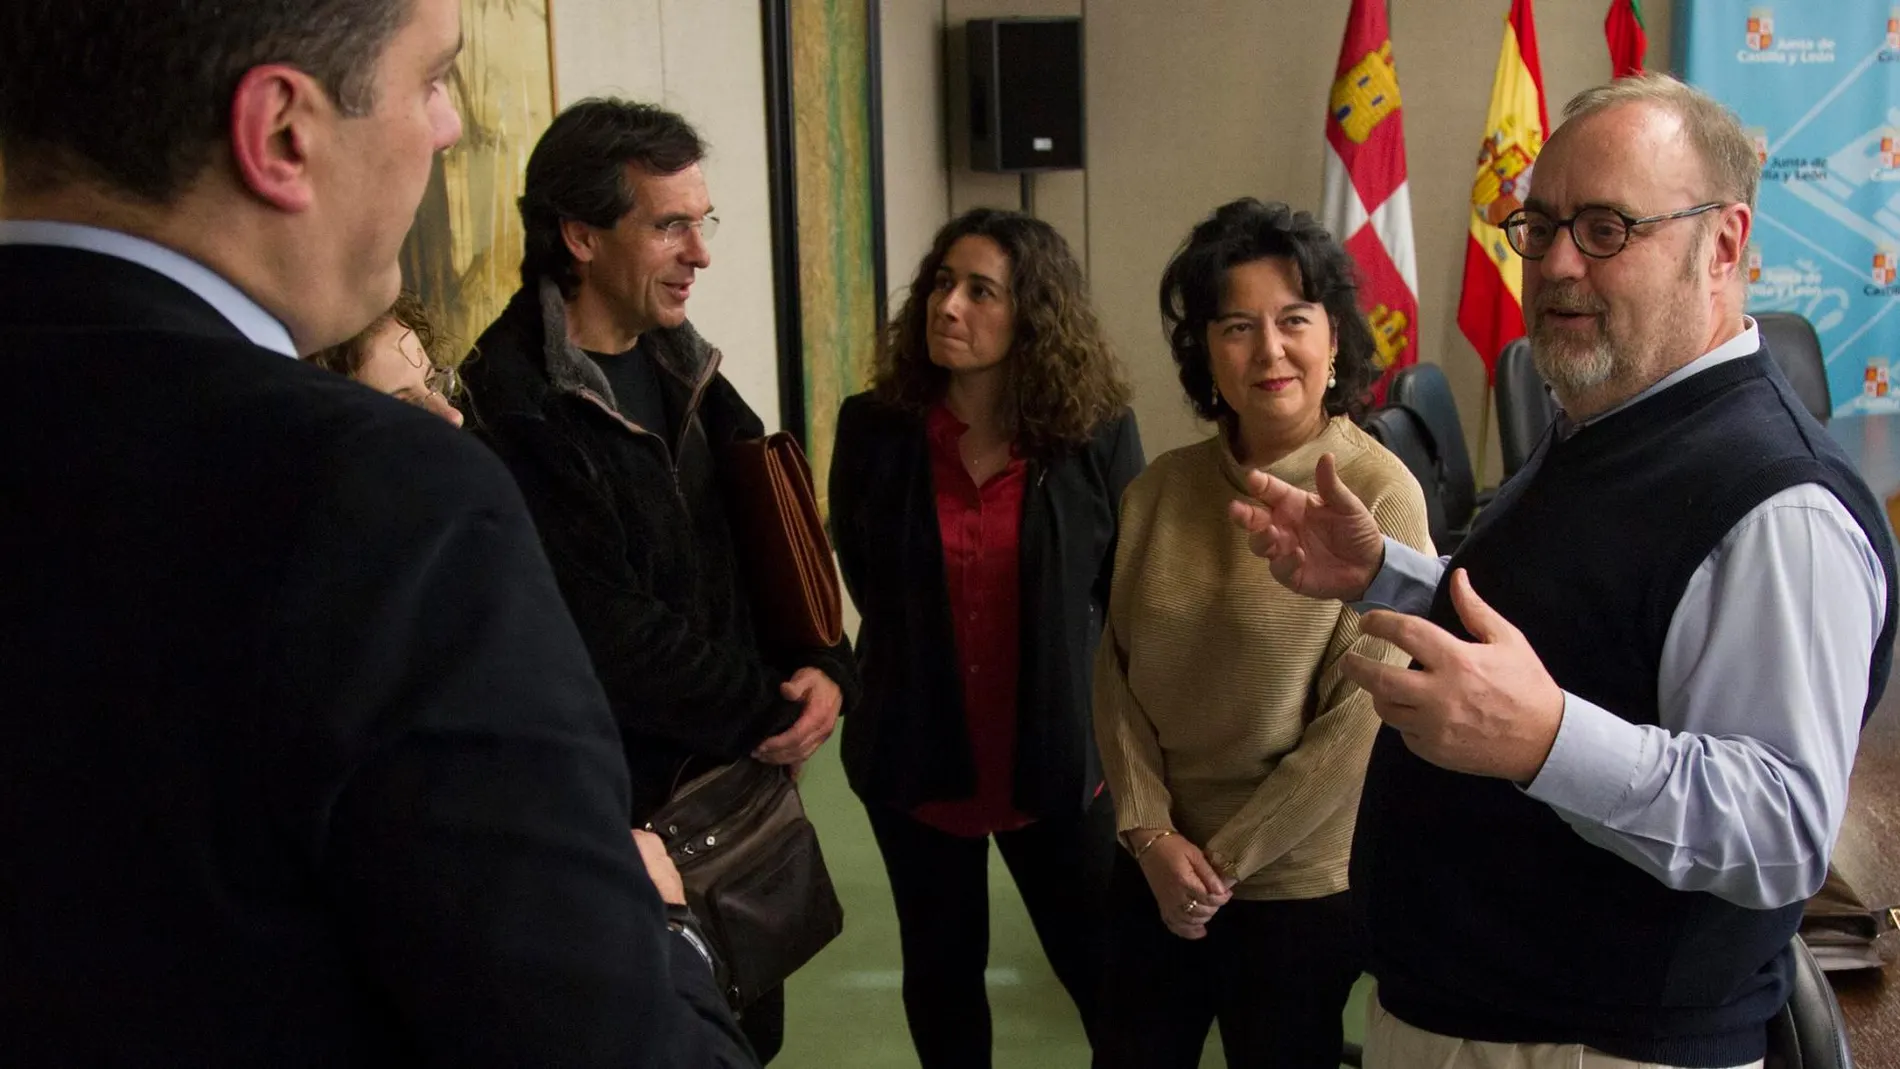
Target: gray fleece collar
{"points": [[680, 351]]}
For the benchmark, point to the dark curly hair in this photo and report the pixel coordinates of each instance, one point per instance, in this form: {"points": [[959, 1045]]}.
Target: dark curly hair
{"points": [[1064, 379], [578, 170], [1241, 232]]}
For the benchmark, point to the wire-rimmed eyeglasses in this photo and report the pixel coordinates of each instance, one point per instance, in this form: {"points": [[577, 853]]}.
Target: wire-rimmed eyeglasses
{"points": [[673, 233]]}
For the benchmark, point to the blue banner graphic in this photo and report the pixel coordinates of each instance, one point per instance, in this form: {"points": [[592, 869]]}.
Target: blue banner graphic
{"points": [[1818, 86]]}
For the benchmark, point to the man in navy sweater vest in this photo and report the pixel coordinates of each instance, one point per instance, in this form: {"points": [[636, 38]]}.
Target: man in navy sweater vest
{"points": [[1607, 785]]}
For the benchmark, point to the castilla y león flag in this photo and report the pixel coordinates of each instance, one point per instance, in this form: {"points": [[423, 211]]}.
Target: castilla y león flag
{"points": [[1491, 305], [1629, 41], [1368, 205]]}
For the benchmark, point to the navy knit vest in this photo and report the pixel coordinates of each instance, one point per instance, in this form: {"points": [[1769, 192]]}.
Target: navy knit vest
{"points": [[1488, 917]]}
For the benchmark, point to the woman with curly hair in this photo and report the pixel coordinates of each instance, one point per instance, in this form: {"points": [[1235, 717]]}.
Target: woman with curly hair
{"points": [[401, 356], [1235, 745], [974, 492]]}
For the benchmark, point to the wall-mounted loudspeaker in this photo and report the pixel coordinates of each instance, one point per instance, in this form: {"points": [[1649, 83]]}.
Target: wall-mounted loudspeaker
{"points": [[1025, 94]]}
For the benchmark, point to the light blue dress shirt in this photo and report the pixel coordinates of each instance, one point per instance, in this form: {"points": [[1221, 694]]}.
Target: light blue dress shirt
{"points": [[1741, 789], [262, 328]]}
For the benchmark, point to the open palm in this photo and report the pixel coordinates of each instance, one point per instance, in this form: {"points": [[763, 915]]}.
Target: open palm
{"points": [[1322, 544]]}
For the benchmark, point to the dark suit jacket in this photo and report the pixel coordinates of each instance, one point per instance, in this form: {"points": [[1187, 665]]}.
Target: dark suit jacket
{"points": [[908, 741], [301, 759]]}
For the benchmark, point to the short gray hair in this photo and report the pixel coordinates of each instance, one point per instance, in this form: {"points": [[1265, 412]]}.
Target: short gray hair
{"points": [[1714, 132]]}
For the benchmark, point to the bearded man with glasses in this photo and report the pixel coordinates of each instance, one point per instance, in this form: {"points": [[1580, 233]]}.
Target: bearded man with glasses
{"points": [[610, 410], [1600, 800]]}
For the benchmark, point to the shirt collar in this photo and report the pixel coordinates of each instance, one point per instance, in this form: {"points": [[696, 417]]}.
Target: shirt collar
{"points": [[945, 432], [1735, 348], [250, 318], [943, 425]]}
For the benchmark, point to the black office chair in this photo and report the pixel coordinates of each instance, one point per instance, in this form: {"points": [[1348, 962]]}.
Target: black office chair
{"points": [[1402, 431], [1808, 1033], [1424, 389], [1791, 341], [1525, 406]]}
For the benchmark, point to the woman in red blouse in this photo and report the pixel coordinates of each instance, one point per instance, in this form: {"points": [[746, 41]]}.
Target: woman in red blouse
{"points": [[974, 493]]}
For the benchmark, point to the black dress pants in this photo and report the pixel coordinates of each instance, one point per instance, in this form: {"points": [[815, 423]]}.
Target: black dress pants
{"points": [[940, 885], [1275, 975]]}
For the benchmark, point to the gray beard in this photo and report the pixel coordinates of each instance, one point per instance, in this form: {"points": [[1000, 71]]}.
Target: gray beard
{"points": [[1572, 369], [1578, 371]]}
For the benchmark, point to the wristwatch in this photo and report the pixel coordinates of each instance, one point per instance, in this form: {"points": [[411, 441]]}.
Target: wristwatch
{"points": [[680, 919]]}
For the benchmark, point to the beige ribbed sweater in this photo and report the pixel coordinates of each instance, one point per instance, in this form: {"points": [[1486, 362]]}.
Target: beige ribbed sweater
{"points": [[1220, 709]]}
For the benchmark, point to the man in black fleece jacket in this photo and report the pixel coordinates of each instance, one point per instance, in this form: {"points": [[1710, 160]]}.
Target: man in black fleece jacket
{"points": [[610, 410]]}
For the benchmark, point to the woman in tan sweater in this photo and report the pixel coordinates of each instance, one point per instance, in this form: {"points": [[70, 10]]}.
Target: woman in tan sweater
{"points": [[1234, 747]]}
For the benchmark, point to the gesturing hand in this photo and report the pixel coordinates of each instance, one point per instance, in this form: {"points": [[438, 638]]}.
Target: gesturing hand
{"points": [[822, 700], [1487, 708], [1186, 888], [1323, 545]]}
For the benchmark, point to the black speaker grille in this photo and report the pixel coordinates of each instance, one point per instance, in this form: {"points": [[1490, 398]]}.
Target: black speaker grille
{"points": [[1026, 76]]}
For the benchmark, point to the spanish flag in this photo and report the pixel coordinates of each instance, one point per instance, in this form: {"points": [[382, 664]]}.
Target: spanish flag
{"points": [[1491, 306]]}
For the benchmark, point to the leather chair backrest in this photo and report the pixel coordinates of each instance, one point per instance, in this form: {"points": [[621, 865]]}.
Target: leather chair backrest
{"points": [[1424, 389], [1808, 1033], [1403, 432], [1525, 407], [1791, 341]]}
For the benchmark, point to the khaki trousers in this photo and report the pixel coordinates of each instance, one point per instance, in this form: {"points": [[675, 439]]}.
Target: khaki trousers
{"points": [[1393, 1044]]}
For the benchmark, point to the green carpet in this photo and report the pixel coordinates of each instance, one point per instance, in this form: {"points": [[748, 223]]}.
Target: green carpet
{"points": [[845, 1009]]}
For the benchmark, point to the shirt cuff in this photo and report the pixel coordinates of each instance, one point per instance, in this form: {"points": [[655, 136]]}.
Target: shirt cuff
{"points": [[1405, 583], [1592, 763]]}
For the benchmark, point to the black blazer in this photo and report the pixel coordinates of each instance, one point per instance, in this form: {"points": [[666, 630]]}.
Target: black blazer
{"points": [[907, 742], [301, 759]]}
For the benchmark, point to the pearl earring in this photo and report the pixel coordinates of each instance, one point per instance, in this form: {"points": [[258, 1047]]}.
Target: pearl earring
{"points": [[1332, 375]]}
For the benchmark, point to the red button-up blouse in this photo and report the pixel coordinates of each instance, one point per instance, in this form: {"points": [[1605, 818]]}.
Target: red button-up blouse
{"points": [[981, 529]]}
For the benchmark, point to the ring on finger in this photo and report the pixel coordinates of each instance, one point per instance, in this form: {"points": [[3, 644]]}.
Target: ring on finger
{"points": [[1192, 905]]}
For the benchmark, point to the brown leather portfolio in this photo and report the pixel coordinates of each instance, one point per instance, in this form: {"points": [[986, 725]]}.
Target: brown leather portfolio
{"points": [[782, 548]]}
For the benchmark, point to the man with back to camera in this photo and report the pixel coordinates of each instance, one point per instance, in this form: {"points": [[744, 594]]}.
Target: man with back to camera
{"points": [[304, 762], [1602, 796], [609, 408]]}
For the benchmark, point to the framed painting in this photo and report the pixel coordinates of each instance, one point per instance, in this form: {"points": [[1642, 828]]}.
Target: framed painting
{"points": [[824, 141], [463, 256]]}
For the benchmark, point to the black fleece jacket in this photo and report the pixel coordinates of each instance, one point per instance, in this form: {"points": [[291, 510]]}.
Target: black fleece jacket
{"points": [[637, 531]]}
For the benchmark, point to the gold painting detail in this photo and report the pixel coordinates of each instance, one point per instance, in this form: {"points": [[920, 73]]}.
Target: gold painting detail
{"points": [[464, 254], [837, 287]]}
